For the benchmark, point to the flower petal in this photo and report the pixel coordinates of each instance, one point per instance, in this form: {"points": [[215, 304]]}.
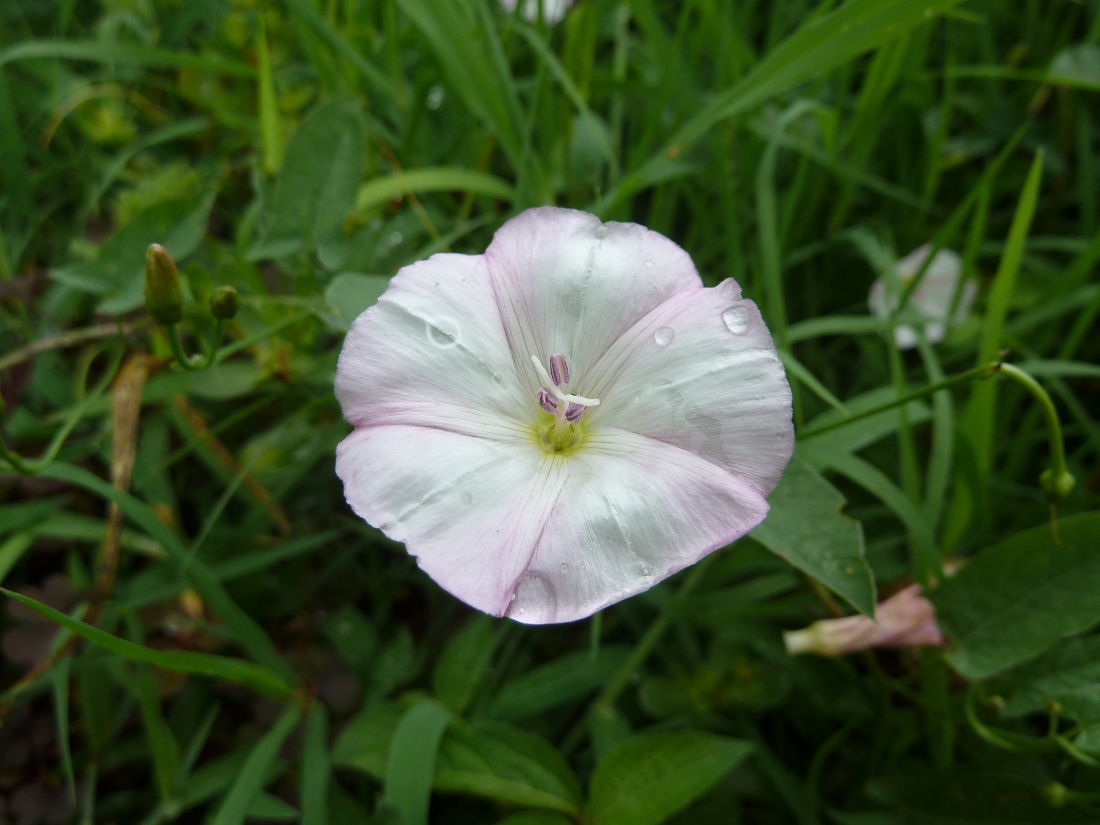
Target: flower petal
{"points": [[701, 372], [432, 352], [563, 535], [632, 512], [567, 283], [470, 509]]}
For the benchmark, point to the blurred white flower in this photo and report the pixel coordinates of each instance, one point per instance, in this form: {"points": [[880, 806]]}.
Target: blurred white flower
{"points": [[564, 421], [932, 297], [906, 619], [553, 10]]}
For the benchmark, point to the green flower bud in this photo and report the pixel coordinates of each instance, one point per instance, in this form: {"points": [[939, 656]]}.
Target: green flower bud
{"points": [[224, 303], [1056, 794], [1058, 489], [163, 293]]}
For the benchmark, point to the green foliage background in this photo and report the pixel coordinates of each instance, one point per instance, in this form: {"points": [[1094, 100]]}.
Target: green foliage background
{"points": [[261, 654]]}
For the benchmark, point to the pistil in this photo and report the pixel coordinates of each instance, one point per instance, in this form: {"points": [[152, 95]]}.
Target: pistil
{"points": [[566, 407]]}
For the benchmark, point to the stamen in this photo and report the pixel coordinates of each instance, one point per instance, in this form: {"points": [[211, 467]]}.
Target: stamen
{"points": [[547, 401], [574, 413], [548, 383], [559, 369]]}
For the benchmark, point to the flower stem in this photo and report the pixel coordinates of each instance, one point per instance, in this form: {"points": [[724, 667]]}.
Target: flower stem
{"points": [[653, 635], [219, 330], [1056, 482], [976, 373], [185, 361]]}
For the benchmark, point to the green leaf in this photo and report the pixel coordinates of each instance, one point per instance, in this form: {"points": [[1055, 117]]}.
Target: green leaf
{"points": [[1068, 673], [1015, 600], [118, 272], [350, 294], [962, 797], [469, 54], [316, 769], [271, 808], [121, 53], [499, 761], [253, 774], [978, 418], [162, 743], [242, 626], [1076, 66], [382, 190], [536, 818], [488, 758], [822, 44], [318, 182], [650, 777], [806, 527], [464, 662], [567, 679], [12, 550], [411, 762], [252, 675]]}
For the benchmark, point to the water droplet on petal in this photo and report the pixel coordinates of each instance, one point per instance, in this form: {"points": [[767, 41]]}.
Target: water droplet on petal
{"points": [[649, 264], [564, 567], [664, 336], [443, 333], [601, 232], [467, 497], [534, 601], [736, 320]]}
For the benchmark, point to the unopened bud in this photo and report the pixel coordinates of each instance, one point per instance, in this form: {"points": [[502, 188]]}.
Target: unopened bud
{"points": [[1056, 794], [1058, 489], [224, 303], [163, 293]]}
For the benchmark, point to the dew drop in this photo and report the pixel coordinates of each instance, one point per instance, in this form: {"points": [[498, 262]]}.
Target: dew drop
{"points": [[736, 320], [664, 336], [564, 567], [467, 497], [601, 232], [649, 264], [395, 238], [442, 333], [534, 601]]}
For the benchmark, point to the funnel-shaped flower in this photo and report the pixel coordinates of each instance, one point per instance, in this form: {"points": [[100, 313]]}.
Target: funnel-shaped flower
{"points": [[563, 421], [906, 619], [932, 298]]}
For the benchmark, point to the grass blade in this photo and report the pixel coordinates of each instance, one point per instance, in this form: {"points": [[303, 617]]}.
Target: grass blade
{"points": [[252, 675], [411, 763], [253, 774]]}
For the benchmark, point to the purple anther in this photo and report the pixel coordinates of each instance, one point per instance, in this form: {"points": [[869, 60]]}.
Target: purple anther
{"points": [[559, 370], [574, 413], [547, 400]]}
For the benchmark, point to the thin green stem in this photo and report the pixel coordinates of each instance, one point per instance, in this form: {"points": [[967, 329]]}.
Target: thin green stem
{"points": [[1059, 482], [219, 331], [182, 358], [976, 373], [652, 636]]}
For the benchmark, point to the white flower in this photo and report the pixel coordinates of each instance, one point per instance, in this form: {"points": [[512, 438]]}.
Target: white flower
{"points": [[563, 421], [932, 298], [553, 11]]}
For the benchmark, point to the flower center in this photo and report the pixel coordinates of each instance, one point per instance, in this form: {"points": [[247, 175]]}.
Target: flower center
{"points": [[560, 433]]}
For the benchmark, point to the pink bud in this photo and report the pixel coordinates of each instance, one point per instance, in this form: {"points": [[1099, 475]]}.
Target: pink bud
{"points": [[906, 619]]}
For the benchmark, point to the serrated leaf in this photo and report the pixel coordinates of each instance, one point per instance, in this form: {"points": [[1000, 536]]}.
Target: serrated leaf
{"points": [[806, 527]]}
